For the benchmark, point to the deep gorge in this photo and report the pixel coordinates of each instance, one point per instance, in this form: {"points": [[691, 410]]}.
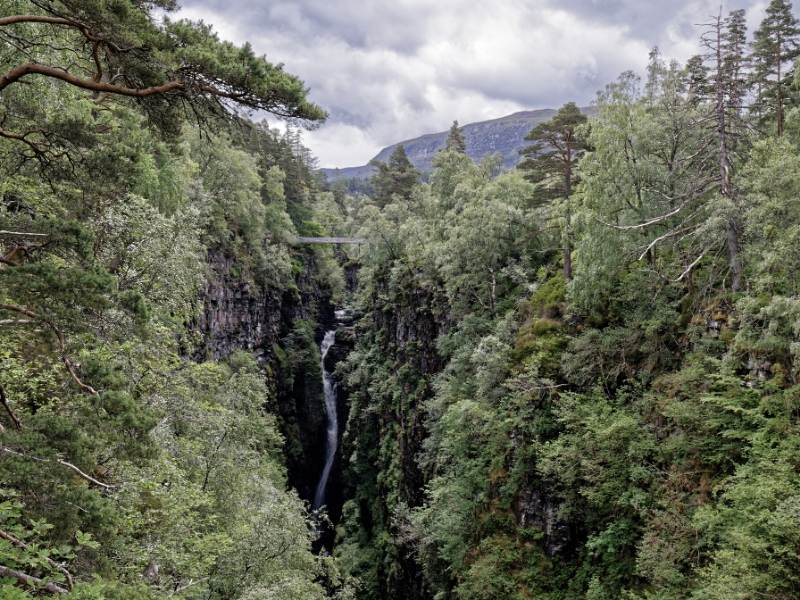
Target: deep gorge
{"points": [[567, 371]]}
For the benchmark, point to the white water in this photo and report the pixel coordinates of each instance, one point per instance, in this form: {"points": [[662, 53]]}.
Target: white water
{"points": [[332, 439]]}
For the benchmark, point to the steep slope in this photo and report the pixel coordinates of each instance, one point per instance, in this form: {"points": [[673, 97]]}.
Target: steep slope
{"points": [[505, 136]]}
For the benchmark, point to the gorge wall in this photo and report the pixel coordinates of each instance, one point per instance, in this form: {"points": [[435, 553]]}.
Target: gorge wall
{"points": [[282, 328]]}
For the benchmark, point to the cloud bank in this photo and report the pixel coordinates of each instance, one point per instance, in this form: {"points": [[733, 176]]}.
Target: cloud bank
{"points": [[392, 70]]}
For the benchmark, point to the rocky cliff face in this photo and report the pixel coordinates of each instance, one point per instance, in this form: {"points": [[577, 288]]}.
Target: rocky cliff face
{"points": [[536, 507], [412, 327], [395, 364], [282, 329], [392, 372], [237, 314]]}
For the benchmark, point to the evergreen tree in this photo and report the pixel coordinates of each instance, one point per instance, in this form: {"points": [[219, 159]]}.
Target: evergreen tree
{"points": [[115, 48], [455, 140], [726, 41], [776, 43], [696, 81], [734, 60], [551, 160], [396, 178]]}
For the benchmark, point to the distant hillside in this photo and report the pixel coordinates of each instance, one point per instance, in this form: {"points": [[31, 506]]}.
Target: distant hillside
{"points": [[505, 136]]}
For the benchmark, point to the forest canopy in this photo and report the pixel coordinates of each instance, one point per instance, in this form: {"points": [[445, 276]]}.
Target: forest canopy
{"points": [[578, 378], [132, 463]]}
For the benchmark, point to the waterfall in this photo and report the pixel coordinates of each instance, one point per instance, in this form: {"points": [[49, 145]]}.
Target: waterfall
{"points": [[332, 437]]}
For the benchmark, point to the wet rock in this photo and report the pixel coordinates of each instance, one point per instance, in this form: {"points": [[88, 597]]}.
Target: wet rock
{"points": [[236, 314], [539, 510]]}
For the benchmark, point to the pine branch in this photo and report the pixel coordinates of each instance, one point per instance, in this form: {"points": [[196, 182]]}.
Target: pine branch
{"points": [[14, 19], [33, 582], [20, 544], [22, 70], [63, 463]]}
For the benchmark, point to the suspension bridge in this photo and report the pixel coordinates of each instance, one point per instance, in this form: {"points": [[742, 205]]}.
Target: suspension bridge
{"points": [[330, 240]]}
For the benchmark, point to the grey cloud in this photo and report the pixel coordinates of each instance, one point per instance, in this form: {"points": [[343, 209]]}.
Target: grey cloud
{"points": [[360, 24], [646, 19], [389, 70], [640, 15]]}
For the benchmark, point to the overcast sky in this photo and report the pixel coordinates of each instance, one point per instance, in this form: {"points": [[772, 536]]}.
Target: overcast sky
{"points": [[389, 70]]}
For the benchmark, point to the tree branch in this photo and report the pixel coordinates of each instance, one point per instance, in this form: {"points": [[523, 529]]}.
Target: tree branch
{"points": [[661, 238], [691, 266], [62, 344], [33, 582], [13, 19], [51, 562], [652, 221], [4, 401], [21, 234], [192, 583], [22, 70], [61, 462]]}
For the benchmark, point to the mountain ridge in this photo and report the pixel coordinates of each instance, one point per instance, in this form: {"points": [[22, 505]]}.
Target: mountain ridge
{"points": [[504, 135]]}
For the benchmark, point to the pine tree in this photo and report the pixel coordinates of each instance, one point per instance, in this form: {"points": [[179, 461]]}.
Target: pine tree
{"points": [[696, 80], [455, 139], [551, 160], [734, 60], [776, 43], [726, 40], [395, 179]]}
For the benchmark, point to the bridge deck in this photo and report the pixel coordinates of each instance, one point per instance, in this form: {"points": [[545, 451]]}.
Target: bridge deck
{"points": [[329, 240]]}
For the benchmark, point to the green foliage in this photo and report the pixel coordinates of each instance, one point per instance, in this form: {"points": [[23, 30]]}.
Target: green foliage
{"points": [[622, 431], [130, 471], [755, 529], [548, 300], [395, 179]]}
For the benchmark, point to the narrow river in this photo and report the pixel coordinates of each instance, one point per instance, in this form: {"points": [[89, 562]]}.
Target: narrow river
{"points": [[332, 437]]}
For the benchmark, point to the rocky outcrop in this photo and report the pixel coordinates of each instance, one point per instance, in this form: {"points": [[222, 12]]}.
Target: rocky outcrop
{"points": [[237, 314], [536, 508], [412, 326]]}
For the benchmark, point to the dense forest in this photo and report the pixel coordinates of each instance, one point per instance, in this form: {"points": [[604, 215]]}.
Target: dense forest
{"points": [[142, 446], [574, 379]]}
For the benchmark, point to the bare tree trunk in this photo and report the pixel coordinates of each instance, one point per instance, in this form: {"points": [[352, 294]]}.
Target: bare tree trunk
{"points": [[567, 242], [493, 292], [32, 582], [726, 165], [567, 259], [734, 257], [779, 94]]}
